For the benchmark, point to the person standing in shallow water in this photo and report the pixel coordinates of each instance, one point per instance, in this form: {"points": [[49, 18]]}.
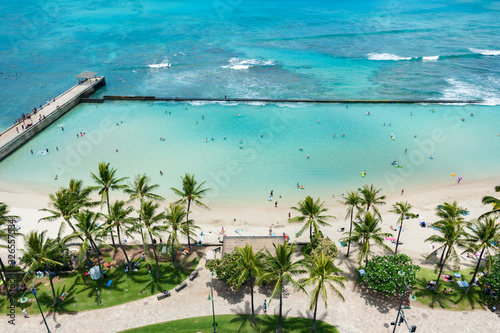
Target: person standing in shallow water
{"points": [[276, 204]]}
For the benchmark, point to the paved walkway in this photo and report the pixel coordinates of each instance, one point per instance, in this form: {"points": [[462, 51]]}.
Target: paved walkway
{"points": [[359, 312]]}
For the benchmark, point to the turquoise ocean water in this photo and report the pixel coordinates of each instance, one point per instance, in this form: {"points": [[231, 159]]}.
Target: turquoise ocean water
{"points": [[261, 150], [266, 49]]}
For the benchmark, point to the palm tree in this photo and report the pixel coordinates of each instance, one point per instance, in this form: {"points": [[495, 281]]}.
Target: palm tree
{"points": [[370, 199], [449, 212], [364, 232], [281, 269], [119, 218], [403, 210], [491, 200], [246, 267], [311, 213], [64, 206], [89, 231], [141, 189], [322, 274], [484, 237], [80, 193], [40, 253], [353, 201], [191, 192], [66, 202], [150, 219], [174, 219], [452, 237], [5, 221], [107, 181]]}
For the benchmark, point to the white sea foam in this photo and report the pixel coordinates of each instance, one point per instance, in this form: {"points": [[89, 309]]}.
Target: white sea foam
{"points": [[201, 103], [460, 90], [163, 64], [240, 64], [485, 52], [386, 56], [292, 105], [430, 58], [256, 103]]}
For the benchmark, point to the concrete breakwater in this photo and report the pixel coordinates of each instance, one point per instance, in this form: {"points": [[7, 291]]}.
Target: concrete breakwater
{"points": [[21, 132]]}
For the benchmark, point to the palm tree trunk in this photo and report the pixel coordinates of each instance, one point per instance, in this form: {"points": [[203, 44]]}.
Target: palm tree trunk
{"points": [[111, 230], [310, 231], [53, 290], [187, 219], [441, 269], [281, 309], [475, 272], [121, 247], [98, 256], [96, 247], [70, 224], [156, 258], [251, 294], [174, 258], [350, 230], [399, 233], [313, 328], [442, 256]]}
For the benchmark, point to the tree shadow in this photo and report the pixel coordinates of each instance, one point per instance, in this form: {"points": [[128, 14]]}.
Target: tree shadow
{"points": [[231, 295], [380, 301], [437, 298]]}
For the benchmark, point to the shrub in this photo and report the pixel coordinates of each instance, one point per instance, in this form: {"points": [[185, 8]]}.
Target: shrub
{"points": [[382, 274]]}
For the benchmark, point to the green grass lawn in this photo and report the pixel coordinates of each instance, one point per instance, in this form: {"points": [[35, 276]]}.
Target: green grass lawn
{"points": [[126, 287], [458, 300], [235, 323]]}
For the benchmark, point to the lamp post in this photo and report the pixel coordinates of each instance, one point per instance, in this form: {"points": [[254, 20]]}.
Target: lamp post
{"points": [[39, 275], [412, 328], [212, 297]]}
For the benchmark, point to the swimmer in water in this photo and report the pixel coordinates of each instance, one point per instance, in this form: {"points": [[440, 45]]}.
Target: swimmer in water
{"points": [[307, 156], [161, 172]]}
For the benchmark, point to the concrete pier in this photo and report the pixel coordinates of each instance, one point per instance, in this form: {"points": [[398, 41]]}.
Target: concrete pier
{"points": [[15, 136]]}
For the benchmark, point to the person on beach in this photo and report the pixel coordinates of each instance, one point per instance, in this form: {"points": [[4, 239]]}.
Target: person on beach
{"points": [[25, 313], [276, 204], [402, 191], [289, 215], [265, 306]]}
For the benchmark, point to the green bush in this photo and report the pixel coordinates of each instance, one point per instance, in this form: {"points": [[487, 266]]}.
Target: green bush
{"points": [[382, 274], [490, 283], [321, 244]]}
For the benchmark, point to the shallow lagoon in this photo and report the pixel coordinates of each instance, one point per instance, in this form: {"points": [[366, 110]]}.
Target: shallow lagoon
{"points": [[261, 150]]}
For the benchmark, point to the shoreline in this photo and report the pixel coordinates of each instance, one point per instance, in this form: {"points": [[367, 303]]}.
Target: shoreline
{"points": [[256, 220]]}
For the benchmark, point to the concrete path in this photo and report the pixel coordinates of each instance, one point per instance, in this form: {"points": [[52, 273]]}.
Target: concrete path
{"points": [[46, 110], [359, 312]]}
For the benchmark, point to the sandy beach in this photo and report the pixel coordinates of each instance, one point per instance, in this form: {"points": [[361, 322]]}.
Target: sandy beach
{"points": [[258, 220]]}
